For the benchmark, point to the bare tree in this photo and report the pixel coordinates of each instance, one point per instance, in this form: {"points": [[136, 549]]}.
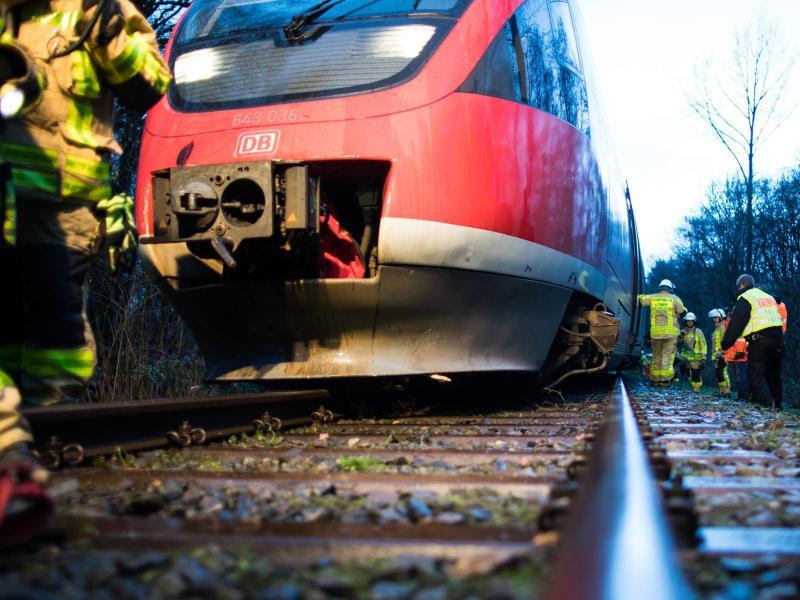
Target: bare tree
{"points": [[744, 105]]}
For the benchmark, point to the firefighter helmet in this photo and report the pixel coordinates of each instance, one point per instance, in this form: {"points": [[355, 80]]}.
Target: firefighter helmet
{"points": [[690, 317], [666, 284]]}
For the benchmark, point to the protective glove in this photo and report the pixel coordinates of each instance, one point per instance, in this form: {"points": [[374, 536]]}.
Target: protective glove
{"points": [[101, 22], [120, 231]]}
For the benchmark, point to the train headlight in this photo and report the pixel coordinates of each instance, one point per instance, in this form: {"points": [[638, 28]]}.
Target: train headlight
{"points": [[405, 41], [200, 65], [252, 70]]}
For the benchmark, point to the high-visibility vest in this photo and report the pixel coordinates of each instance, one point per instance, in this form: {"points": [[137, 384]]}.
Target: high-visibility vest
{"points": [[739, 347], [58, 149], [662, 316], [763, 311], [784, 315]]}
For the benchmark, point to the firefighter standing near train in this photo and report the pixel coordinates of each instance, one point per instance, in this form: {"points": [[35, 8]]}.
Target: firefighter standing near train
{"points": [[758, 320], [665, 309], [62, 64], [693, 351]]}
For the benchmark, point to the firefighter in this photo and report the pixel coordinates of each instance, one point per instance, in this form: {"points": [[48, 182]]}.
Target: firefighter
{"points": [[646, 361], [757, 319], [665, 308], [717, 315], [58, 202], [692, 342]]}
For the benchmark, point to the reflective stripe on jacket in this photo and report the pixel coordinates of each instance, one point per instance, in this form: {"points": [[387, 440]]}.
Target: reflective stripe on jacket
{"points": [[664, 311], [57, 149], [716, 339], [763, 311]]}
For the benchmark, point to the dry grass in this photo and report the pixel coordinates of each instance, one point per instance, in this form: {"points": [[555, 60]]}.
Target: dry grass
{"points": [[144, 349]]}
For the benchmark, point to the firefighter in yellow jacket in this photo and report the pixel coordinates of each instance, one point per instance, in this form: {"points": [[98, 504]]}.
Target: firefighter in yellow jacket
{"points": [[717, 315], [758, 320], [665, 308], [57, 201], [693, 350]]}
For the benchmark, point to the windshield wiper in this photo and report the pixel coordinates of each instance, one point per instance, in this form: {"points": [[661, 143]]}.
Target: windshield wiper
{"points": [[294, 30]]}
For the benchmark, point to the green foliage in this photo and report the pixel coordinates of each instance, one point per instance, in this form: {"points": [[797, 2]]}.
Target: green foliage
{"points": [[270, 438], [359, 464]]}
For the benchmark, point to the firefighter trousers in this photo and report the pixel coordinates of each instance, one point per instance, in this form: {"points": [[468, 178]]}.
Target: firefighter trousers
{"points": [[739, 370], [764, 370], [662, 369], [46, 345], [721, 374]]}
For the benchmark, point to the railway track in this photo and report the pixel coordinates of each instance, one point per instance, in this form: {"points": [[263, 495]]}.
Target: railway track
{"points": [[737, 468], [555, 499]]}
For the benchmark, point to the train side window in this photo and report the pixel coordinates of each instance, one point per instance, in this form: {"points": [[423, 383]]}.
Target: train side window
{"points": [[497, 74], [574, 103], [541, 64], [564, 33]]}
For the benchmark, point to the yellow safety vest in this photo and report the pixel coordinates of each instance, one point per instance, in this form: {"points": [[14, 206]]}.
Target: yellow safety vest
{"points": [[58, 149], [662, 316], [763, 311]]}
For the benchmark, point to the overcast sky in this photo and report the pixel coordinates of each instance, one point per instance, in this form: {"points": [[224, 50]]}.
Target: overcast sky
{"points": [[645, 54]]}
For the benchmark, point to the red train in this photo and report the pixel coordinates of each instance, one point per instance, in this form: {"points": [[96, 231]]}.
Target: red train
{"points": [[353, 188]]}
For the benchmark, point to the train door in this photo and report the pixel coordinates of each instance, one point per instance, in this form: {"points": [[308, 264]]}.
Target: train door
{"points": [[637, 269]]}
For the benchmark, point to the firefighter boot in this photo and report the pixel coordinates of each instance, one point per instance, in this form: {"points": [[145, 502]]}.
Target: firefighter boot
{"points": [[725, 389], [696, 385], [25, 507]]}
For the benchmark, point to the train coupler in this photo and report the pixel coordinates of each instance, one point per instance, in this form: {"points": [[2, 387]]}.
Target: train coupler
{"points": [[227, 204]]}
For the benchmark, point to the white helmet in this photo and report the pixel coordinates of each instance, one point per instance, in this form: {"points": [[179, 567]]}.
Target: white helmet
{"points": [[690, 317], [716, 312], [666, 284]]}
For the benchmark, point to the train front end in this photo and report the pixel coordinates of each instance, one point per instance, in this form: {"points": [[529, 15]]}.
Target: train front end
{"points": [[319, 199]]}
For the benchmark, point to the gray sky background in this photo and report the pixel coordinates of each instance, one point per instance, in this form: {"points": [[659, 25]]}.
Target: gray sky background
{"points": [[645, 55]]}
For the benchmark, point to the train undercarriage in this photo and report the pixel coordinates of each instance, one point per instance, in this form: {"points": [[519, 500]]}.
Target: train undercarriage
{"points": [[277, 269]]}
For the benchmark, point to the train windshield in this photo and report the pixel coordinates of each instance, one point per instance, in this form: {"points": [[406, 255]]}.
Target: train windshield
{"points": [[241, 53], [215, 18]]}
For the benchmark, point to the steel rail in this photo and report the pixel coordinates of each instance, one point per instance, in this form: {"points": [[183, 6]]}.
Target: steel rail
{"points": [[88, 430], [617, 544]]}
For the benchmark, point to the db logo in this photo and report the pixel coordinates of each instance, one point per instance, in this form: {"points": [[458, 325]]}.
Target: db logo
{"points": [[262, 142]]}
